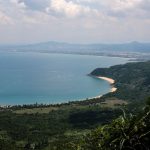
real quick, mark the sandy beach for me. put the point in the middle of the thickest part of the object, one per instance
(111, 81)
(113, 89)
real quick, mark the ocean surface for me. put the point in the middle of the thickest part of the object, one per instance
(27, 78)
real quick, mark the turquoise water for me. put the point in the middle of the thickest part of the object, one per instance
(27, 78)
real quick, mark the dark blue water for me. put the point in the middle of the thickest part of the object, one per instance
(27, 78)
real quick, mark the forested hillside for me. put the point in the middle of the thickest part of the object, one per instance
(132, 80)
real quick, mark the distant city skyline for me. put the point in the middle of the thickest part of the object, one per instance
(74, 21)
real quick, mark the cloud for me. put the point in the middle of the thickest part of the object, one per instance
(145, 5)
(36, 4)
(121, 5)
(4, 19)
(127, 8)
(69, 9)
(108, 8)
(18, 3)
(21, 12)
(87, 20)
(85, 8)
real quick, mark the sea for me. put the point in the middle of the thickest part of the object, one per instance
(45, 78)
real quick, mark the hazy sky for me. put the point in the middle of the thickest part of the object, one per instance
(76, 21)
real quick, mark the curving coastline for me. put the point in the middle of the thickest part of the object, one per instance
(110, 80)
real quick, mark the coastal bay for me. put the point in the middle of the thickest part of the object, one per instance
(27, 78)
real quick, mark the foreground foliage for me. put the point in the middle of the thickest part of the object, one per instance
(50, 130)
(128, 132)
(125, 133)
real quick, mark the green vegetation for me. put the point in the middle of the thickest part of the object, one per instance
(128, 132)
(132, 80)
(25, 130)
(89, 124)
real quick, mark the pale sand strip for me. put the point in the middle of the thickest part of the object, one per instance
(113, 89)
(111, 81)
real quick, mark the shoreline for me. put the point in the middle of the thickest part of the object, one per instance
(109, 80)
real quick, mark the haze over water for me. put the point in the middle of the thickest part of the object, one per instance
(27, 78)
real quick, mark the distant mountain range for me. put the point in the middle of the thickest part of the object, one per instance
(124, 50)
(129, 47)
